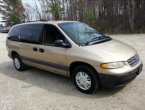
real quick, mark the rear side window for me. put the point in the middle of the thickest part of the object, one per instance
(31, 33)
(28, 33)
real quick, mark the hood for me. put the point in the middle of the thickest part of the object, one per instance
(112, 51)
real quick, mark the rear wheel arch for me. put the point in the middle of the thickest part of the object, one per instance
(13, 53)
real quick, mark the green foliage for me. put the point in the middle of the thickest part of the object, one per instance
(15, 18)
(89, 18)
(12, 11)
(109, 16)
(89, 15)
(55, 8)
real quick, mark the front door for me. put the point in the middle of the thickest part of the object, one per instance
(51, 57)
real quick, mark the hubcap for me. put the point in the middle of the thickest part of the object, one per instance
(17, 63)
(83, 80)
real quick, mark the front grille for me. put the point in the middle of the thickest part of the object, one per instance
(133, 61)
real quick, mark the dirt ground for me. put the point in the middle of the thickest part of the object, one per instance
(35, 89)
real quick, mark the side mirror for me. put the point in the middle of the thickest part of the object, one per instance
(60, 43)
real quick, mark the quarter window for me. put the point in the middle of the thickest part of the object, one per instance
(14, 34)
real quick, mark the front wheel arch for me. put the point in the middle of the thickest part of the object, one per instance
(81, 83)
(78, 63)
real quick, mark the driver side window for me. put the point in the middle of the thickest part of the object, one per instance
(51, 34)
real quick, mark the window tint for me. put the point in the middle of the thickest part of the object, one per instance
(14, 34)
(51, 34)
(31, 33)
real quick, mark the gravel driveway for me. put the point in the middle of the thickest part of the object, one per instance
(35, 89)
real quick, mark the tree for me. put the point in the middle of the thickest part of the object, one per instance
(12, 11)
(110, 16)
(131, 13)
(55, 8)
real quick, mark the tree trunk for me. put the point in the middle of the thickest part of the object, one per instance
(131, 13)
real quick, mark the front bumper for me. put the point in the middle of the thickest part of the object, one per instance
(108, 80)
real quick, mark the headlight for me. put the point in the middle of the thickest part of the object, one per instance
(113, 65)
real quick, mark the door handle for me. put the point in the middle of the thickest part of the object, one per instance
(35, 49)
(41, 50)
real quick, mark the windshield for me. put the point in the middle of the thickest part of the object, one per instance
(83, 34)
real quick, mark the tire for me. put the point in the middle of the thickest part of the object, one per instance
(18, 63)
(85, 79)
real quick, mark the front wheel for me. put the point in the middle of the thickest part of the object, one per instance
(85, 79)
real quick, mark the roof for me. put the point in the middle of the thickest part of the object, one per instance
(46, 22)
(57, 22)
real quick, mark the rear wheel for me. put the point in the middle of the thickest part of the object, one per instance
(18, 63)
(85, 79)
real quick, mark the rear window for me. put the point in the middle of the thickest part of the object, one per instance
(28, 33)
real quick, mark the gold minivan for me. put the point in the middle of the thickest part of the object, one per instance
(76, 50)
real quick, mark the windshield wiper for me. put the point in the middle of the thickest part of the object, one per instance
(98, 40)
